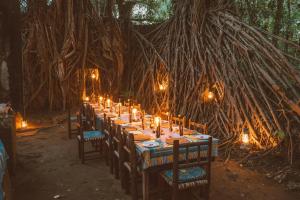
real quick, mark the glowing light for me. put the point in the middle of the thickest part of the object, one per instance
(86, 98)
(100, 100)
(108, 103)
(157, 121)
(24, 124)
(210, 95)
(245, 136)
(93, 76)
(134, 111)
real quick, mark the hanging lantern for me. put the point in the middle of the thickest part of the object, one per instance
(208, 95)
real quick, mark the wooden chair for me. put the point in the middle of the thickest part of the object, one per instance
(117, 151)
(179, 120)
(202, 128)
(89, 134)
(73, 121)
(108, 148)
(191, 171)
(130, 170)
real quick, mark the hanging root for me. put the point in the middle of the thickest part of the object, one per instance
(203, 49)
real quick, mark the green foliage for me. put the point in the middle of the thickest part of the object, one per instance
(151, 11)
(262, 14)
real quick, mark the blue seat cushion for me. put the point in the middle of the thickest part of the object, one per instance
(191, 175)
(92, 135)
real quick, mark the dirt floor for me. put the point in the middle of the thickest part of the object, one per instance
(49, 168)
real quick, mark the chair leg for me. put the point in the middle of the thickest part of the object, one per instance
(126, 182)
(175, 193)
(121, 171)
(116, 167)
(79, 149)
(82, 153)
(206, 192)
(111, 163)
(134, 192)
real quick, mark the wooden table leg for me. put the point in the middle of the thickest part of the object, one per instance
(145, 185)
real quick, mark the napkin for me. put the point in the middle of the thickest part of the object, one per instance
(119, 121)
(141, 137)
(188, 132)
(130, 128)
(181, 140)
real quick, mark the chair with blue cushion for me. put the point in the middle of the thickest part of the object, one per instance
(73, 124)
(191, 168)
(88, 134)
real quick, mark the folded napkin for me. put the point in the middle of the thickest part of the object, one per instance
(165, 125)
(181, 140)
(141, 137)
(188, 132)
(119, 121)
(130, 128)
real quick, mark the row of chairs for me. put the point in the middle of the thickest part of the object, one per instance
(119, 150)
(178, 120)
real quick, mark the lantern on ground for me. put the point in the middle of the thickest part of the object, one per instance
(24, 124)
(245, 136)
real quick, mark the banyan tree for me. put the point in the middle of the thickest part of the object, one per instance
(203, 62)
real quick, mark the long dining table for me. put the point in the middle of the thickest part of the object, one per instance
(152, 158)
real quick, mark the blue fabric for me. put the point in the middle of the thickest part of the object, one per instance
(186, 175)
(3, 159)
(92, 135)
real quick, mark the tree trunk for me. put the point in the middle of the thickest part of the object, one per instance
(15, 55)
(278, 20)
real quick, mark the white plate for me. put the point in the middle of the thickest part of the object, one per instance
(150, 144)
(202, 137)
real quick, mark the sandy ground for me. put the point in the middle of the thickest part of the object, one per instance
(48, 165)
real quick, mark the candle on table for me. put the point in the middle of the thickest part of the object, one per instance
(157, 121)
(134, 111)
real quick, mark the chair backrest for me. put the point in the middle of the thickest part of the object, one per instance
(117, 139)
(189, 155)
(129, 149)
(106, 128)
(198, 127)
(164, 116)
(179, 120)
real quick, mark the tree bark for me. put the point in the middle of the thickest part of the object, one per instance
(15, 54)
(278, 20)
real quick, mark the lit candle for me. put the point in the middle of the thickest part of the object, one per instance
(108, 103)
(157, 124)
(93, 76)
(134, 111)
(119, 109)
(157, 121)
(87, 99)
